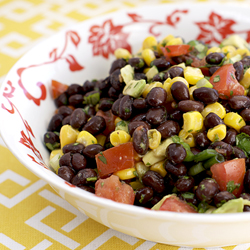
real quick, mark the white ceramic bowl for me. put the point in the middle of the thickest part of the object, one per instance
(85, 52)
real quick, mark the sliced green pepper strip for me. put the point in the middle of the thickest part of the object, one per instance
(215, 159)
(196, 169)
(205, 155)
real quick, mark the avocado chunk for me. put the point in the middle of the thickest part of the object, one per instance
(232, 206)
(151, 73)
(134, 88)
(236, 41)
(127, 73)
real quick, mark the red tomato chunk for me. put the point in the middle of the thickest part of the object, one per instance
(111, 188)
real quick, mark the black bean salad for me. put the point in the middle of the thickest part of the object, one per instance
(167, 129)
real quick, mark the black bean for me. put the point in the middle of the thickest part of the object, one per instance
(168, 129)
(140, 140)
(66, 173)
(189, 198)
(245, 196)
(140, 103)
(104, 84)
(106, 104)
(179, 91)
(239, 153)
(239, 70)
(246, 181)
(116, 80)
(73, 148)
(176, 115)
(117, 64)
(135, 124)
(222, 197)
(89, 110)
(65, 160)
(176, 170)
(61, 100)
(160, 77)
(156, 116)
(91, 150)
(230, 136)
(222, 148)
(160, 63)
(245, 114)
(212, 70)
(212, 120)
(206, 95)
(113, 93)
(215, 58)
(76, 100)
(176, 153)
(154, 180)
(239, 102)
(185, 183)
(115, 107)
(139, 117)
(87, 188)
(95, 125)
(245, 129)
(74, 88)
(126, 107)
(176, 71)
(195, 151)
(189, 105)
(207, 189)
(246, 62)
(139, 76)
(88, 86)
(66, 120)
(51, 140)
(136, 62)
(201, 140)
(156, 97)
(78, 161)
(55, 123)
(143, 195)
(64, 111)
(78, 118)
(84, 177)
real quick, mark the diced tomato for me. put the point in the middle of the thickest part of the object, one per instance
(109, 119)
(230, 173)
(175, 50)
(224, 81)
(111, 188)
(58, 88)
(197, 63)
(174, 204)
(114, 159)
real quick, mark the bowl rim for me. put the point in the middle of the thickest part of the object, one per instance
(131, 209)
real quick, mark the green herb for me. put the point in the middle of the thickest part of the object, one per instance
(102, 158)
(168, 50)
(189, 61)
(154, 47)
(232, 76)
(216, 137)
(243, 142)
(91, 178)
(102, 184)
(216, 78)
(231, 93)
(189, 131)
(148, 164)
(142, 198)
(231, 186)
(240, 120)
(135, 173)
(127, 110)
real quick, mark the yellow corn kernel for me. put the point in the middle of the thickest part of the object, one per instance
(122, 53)
(213, 50)
(216, 108)
(192, 121)
(68, 135)
(191, 90)
(243, 52)
(96, 107)
(163, 43)
(245, 82)
(159, 168)
(101, 139)
(167, 86)
(192, 75)
(55, 152)
(148, 56)
(146, 70)
(117, 119)
(187, 137)
(86, 138)
(150, 42)
(148, 87)
(154, 137)
(119, 137)
(125, 174)
(136, 184)
(217, 133)
(228, 49)
(234, 120)
(175, 41)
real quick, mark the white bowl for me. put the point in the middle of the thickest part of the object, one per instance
(84, 52)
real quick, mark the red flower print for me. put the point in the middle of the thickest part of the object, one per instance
(107, 38)
(215, 29)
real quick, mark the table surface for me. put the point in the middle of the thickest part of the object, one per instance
(32, 215)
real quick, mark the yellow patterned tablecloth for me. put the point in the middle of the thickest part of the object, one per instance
(32, 215)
